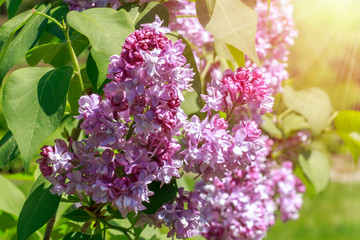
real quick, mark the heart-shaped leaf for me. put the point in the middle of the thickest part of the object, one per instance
(234, 23)
(313, 103)
(106, 30)
(34, 102)
(316, 167)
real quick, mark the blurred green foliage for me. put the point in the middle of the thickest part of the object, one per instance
(331, 215)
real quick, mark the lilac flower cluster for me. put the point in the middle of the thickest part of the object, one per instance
(235, 89)
(182, 216)
(211, 150)
(243, 205)
(287, 191)
(131, 131)
(81, 5)
(275, 34)
(189, 26)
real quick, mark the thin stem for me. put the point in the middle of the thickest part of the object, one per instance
(123, 230)
(76, 132)
(132, 225)
(50, 18)
(86, 226)
(130, 132)
(331, 118)
(283, 114)
(104, 231)
(65, 29)
(74, 60)
(183, 16)
(229, 114)
(98, 208)
(49, 228)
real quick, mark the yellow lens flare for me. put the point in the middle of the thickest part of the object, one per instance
(327, 53)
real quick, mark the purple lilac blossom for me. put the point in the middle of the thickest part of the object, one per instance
(242, 205)
(212, 151)
(131, 131)
(235, 89)
(81, 5)
(275, 34)
(182, 216)
(189, 26)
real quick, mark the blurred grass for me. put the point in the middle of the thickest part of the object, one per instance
(333, 214)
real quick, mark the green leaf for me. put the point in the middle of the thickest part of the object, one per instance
(39, 208)
(238, 55)
(11, 198)
(7, 221)
(162, 195)
(313, 103)
(1, 2)
(56, 54)
(71, 199)
(102, 62)
(114, 212)
(235, 58)
(9, 28)
(190, 59)
(8, 149)
(197, 237)
(347, 121)
(347, 125)
(63, 130)
(222, 50)
(78, 215)
(293, 123)
(146, 13)
(352, 142)
(316, 167)
(106, 30)
(92, 72)
(133, 219)
(81, 236)
(238, 26)
(40, 95)
(12, 7)
(46, 52)
(204, 10)
(190, 105)
(310, 189)
(270, 127)
(59, 13)
(23, 41)
(63, 228)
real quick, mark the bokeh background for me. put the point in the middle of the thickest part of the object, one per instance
(326, 54)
